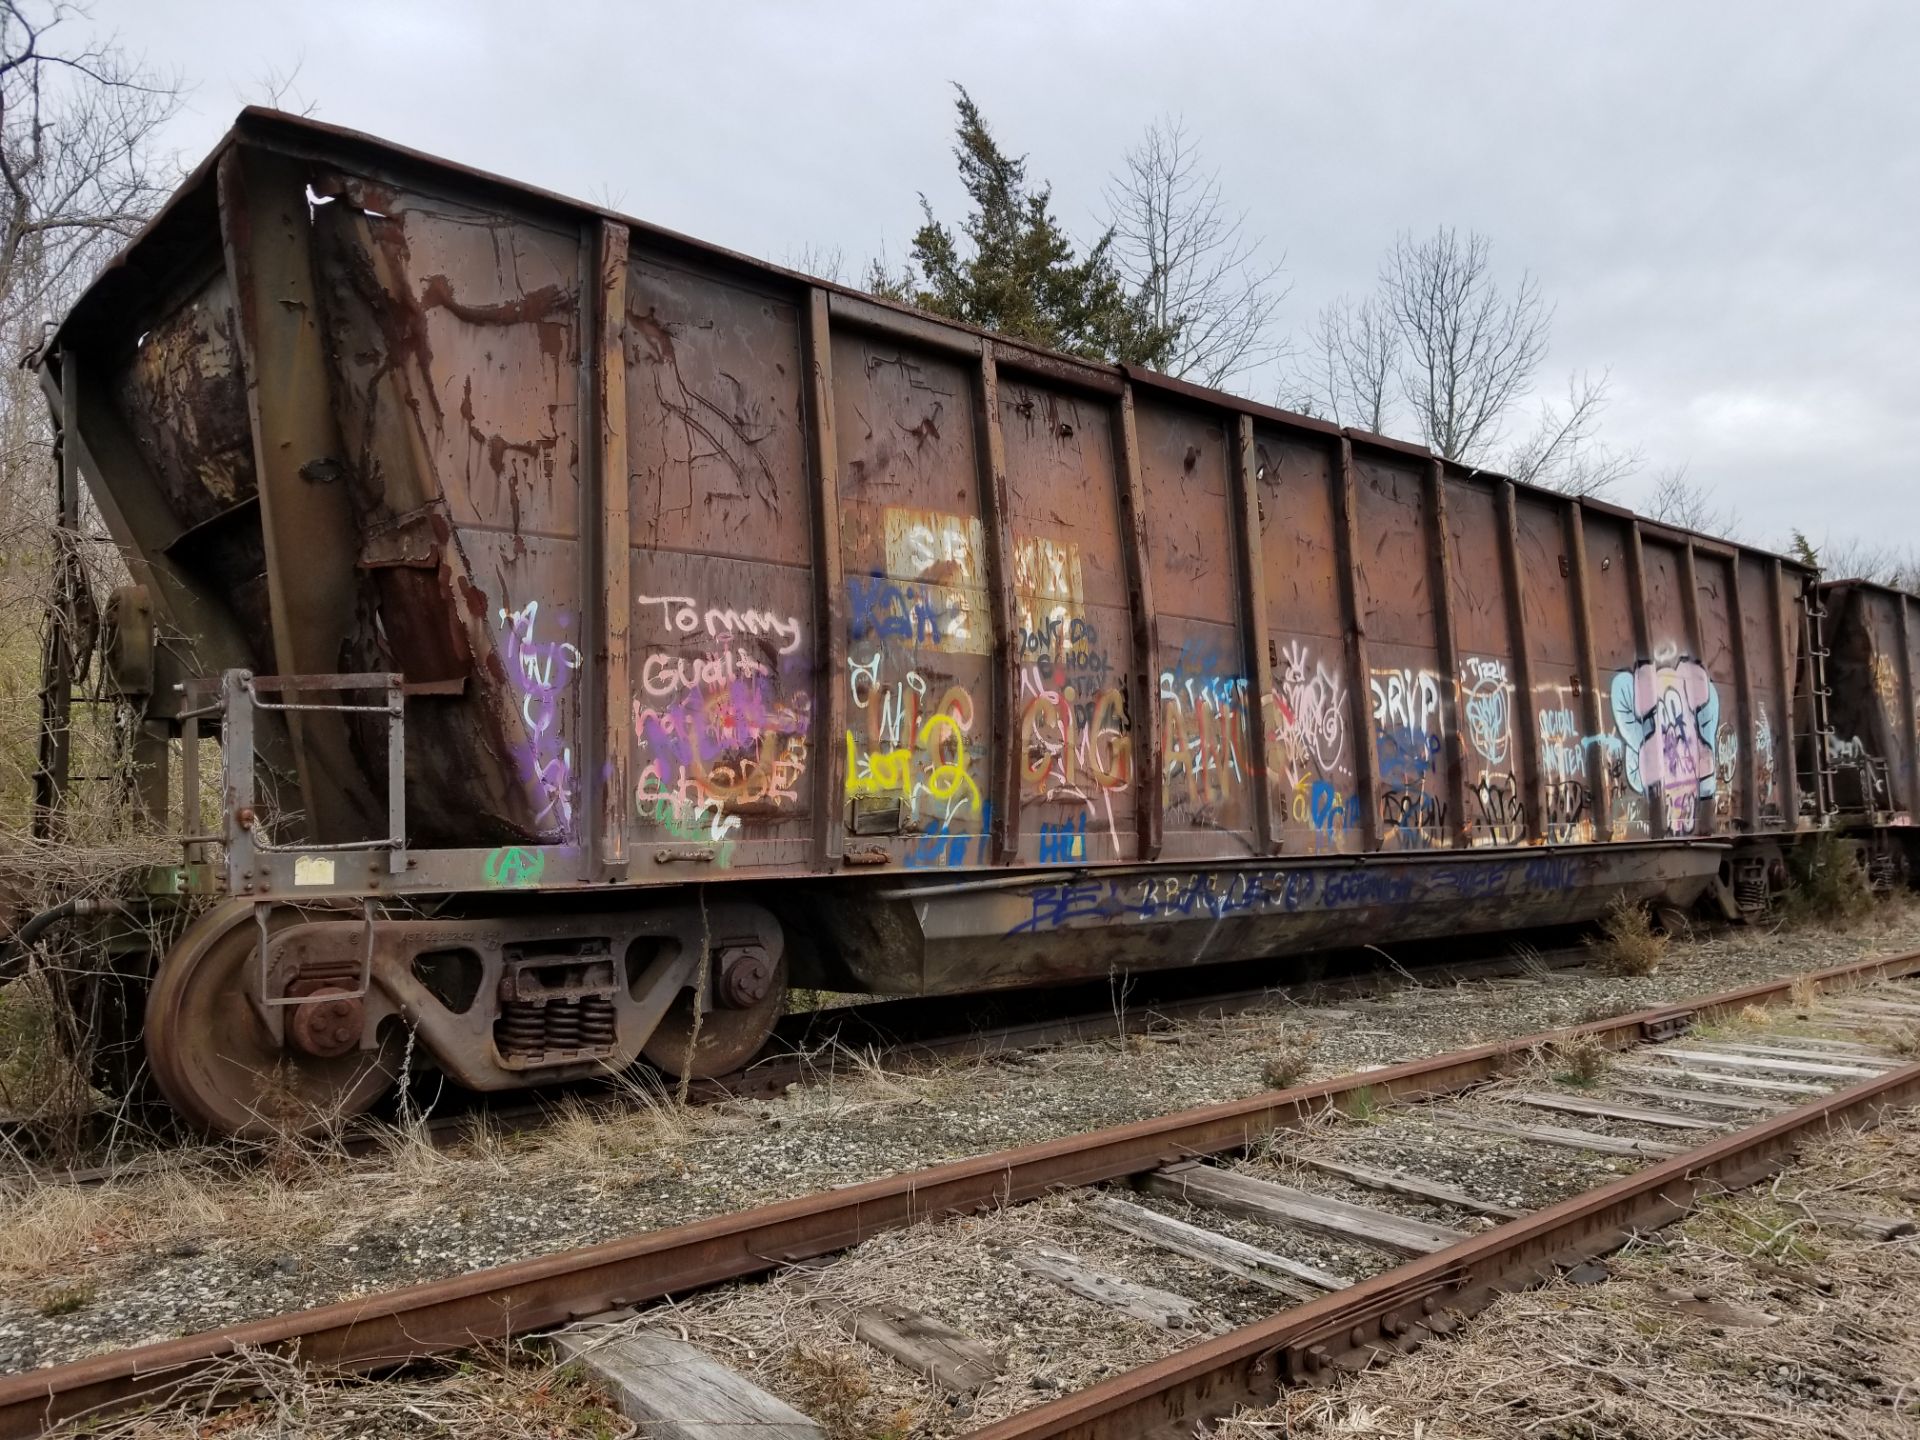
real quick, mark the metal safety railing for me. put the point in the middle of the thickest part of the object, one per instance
(237, 698)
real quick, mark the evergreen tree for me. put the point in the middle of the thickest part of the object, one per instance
(1012, 268)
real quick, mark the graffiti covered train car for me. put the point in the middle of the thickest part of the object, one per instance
(1872, 751)
(603, 631)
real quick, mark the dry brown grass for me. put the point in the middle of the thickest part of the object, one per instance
(1902, 1040)
(1803, 1330)
(832, 1384)
(307, 1186)
(1291, 1058)
(505, 1394)
(1628, 944)
(1582, 1061)
(48, 1229)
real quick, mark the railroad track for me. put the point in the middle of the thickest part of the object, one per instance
(917, 1030)
(1683, 1114)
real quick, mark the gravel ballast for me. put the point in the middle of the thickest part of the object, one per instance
(207, 1244)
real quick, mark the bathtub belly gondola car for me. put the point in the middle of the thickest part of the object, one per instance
(602, 632)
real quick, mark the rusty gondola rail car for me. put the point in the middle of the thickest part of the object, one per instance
(604, 630)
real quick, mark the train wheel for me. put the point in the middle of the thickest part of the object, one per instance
(213, 1057)
(749, 994)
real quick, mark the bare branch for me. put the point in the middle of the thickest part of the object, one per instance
(1178, 245)
(1348, 370)
(280, 89)
(1561, 452)
(827, 262)
(1679, 501)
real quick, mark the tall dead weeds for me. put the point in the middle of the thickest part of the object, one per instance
(1627, 943)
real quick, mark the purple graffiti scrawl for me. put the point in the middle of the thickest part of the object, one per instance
(542, 670)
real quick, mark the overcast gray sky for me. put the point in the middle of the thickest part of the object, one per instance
(1720, 200)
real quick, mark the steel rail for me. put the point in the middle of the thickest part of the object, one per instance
(377, 1331)
(1395, 1311)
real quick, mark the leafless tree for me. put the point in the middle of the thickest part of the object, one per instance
(279, 89)
(1176, 242)
(1689, 504)
(823, 262)
(79, 174)
(1347, 370)
(1469, 350)
(1563, 452)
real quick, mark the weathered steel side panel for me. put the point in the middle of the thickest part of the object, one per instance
(1078, 758)
(1886, 693)
(1552, 776)
(1206, 728)
(1872, 711)
(1308, 716)
(1482, 623)
(1667, 707)
(1909, 630)
(184, 395)
(1762, 739)
(1621, 813)
(919, 619)
(1714, 612)
(892, 594)
(1551, 717)
(1807, 790)
(1410, 697)
(724, 646)
(454, 341)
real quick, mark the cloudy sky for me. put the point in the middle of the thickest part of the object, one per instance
(1719, 200)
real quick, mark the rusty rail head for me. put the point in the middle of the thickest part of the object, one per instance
(372, 1331)
(1175, 1396)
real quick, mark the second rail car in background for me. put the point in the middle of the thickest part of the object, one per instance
(604, 629)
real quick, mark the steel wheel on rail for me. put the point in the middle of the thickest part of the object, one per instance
(747, 995)
(214, 1059)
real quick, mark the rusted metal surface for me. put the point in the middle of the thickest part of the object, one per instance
(1874, 709)
(1003, 579)
(1358, 669)
(1785, 622)
(841, 597)
(1447, 646)
(184, 393)
(1250, 532)
(371, 1331)
(606, 514)
(1145, 669)
(1498, 796)
(1746, 691)
(697, 572)
(1908, 632)
(306, 521)
(1401, 1308)
(1079, 683)
(829, 597)
(1575, 776)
